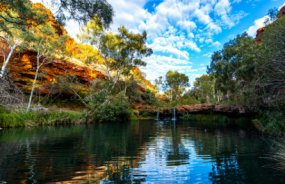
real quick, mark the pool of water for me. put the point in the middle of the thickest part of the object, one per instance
(136, 152)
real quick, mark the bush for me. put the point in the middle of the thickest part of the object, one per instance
(149, 97)
(187, 116)
(133, 92)
(117, 108)
(273, 122)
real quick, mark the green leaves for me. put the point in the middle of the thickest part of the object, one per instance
(228, 65)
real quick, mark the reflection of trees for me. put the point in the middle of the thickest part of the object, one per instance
(110, 152)
(237, 155)
(177, 155)
(67, 153)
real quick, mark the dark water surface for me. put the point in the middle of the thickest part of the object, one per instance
(135, 152)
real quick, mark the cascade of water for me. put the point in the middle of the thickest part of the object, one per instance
(157, 116)
(174, 114)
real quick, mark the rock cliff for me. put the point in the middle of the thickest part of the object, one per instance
(200, 108)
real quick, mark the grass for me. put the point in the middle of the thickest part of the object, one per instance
(278, 154)
(9, 120)
(12, 120)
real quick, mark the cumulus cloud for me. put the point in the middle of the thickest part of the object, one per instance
(176, 29)
(162, 64)
(209, 54)
(258, 23)
(215, 44)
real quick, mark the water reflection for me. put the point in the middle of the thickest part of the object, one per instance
(135, 152)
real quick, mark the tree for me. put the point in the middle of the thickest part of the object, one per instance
(233, 66)
(79, 10)
(48, 46)
(176, 83)
(119, 53)
(270, 65)
(11, 42)
(20, 14)
(204, 87)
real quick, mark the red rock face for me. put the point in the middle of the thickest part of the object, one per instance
(209, 107)
(260, 31)
(282, 12)
(22, 68)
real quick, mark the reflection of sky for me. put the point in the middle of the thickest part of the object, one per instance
(157, 165)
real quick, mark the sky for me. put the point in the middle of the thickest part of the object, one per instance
(184, 33)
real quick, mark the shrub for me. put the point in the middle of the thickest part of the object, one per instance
(149, 97)
(116, 108)
(187, 116)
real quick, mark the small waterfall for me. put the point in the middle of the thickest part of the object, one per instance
(174, 114)
(157, 116)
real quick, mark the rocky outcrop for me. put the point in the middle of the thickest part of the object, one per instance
(281, 12)
(200, 108)
(260, 31)
(22, 67)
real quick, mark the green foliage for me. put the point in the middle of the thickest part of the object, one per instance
(133, 93)
(187, 116)
(222, 119)
(80, 11)
(41, 118)
(232, 64)
(11, 120)
(176, 83)
(113, 109)
(272, 122)
(149, 96)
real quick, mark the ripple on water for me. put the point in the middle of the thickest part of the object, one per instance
(135, 152)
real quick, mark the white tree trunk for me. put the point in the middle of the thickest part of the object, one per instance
(32, 92)
(7, 60)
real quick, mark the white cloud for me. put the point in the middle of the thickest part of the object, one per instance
(216, 43)
(281, 6)
(162, 64)
(209, 54)
(192, 45)
(177, 29)
(258, 23)
(208, 41)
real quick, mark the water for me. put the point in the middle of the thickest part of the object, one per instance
(135, 152)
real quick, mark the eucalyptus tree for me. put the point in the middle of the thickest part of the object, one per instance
(79, 10)
(20, 14)
(119, 53)
(270, 64)
(48, 46)
(176, 83)
(233, 66)
(204, 87)
(15, 40)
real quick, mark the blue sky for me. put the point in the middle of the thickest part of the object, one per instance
(184, 33)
